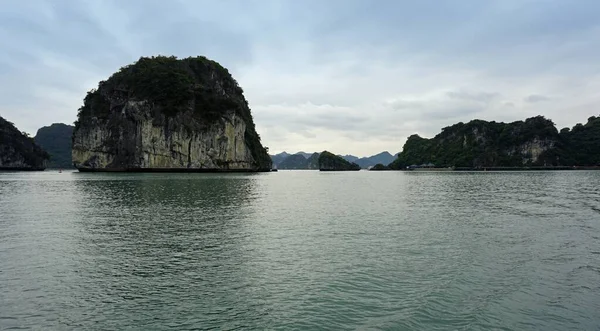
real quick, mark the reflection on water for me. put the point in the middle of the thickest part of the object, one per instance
(303, 250)
(181, 235)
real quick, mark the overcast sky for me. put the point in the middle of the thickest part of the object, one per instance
(352, 77)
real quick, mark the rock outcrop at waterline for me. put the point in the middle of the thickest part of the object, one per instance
(167, 114)
(18, 151)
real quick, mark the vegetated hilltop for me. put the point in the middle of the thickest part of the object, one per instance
(18, 151)
(383, 158)
(278, 158)
(299, 161)
(56, 140)
(294, 161)
(331, 162)
(164, 113)
(281, 160)
(478, 144)
(581, 144)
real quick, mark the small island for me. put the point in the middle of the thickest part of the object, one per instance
(380, 167)
(18, 151)
(331, 162)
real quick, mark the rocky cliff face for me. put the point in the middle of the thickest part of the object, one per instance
(532, 151)
(168, 114)
(17, 151)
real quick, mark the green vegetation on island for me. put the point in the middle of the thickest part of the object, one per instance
(295, 161)
(279, 160)
(479, 144)
(56, 139)
(18, 151)
(298, 161)
(312, 163)
(581, 144)
(331, 162)
(380, 167)
(382, 158)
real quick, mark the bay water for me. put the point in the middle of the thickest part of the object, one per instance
(301, 250)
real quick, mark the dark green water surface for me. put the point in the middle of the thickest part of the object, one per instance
(300, 250)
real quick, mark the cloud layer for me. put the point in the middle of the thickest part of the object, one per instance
(348, 76)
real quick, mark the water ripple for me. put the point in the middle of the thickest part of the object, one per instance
(300, 250)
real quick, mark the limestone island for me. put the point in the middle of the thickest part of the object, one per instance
(331, 162)
(533, 144)
(18, 151)
(167, 114)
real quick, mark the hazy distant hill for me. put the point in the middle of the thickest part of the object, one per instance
(349, 158)
(278, 158)
(382, 158)
(295, 161)
(306, 155)
(312, 160)
(56, 140)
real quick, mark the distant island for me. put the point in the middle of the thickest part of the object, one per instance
(19, 151)
(300, 162)
(535, 143)
(331, 162)
(479, 144)
(308, 161)
(56, 140)
(167, 114)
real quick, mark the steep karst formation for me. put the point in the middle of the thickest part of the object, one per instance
(168, 114)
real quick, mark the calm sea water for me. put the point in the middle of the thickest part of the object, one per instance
(300, 250)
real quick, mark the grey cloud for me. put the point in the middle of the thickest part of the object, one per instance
(536, 98)
(450, 105)
(484, 97)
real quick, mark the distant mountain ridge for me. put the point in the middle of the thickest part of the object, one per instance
(294, 161)
(285, 160)
(349, 158)
(278, 158)
(381, 158)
